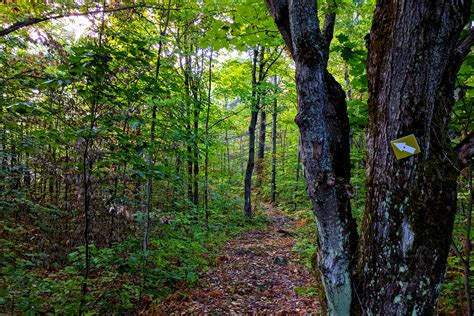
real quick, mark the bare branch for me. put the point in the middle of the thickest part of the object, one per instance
(278, 53)
(32, 21)
(458, 253)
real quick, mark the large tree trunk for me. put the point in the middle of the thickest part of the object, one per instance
(325, 156)
(324, 129)
(413, 60)
(411, 202)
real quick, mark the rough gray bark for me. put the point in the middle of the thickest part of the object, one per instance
(412, 64)
(413, 59)
(324, 129)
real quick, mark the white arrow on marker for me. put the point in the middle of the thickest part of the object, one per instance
(405, 147)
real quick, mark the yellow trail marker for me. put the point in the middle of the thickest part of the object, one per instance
(405, 147)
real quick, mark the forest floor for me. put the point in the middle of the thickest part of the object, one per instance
(256, 273)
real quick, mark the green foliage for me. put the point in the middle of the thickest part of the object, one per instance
(179, 252)
(310, 291)
(60, 91)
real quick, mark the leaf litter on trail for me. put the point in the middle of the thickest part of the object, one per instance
(256, 274)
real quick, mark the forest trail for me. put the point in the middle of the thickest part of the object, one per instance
(257, 273)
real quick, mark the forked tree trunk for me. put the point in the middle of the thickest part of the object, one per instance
(413, 60)
(411, 202)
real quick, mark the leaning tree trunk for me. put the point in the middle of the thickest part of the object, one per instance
(411, 202)
(324, 130)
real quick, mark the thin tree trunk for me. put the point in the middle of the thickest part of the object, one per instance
(87, 167)
(298, 166)
(283, 150)
(241, 144)
(189, 154)
(468, 247)
(51, 178)
(150, 162)
(88, 164)
(347, 82)
(227, 149)
(66, 181)
(252, 126)
(4, 147)
(196, 164)
(274, 150)
(206, 159)
(261, 147)
(113, 209)
(189, 148)
(250, 164)
(197, 109)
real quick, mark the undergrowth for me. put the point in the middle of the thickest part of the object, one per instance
(119, 281)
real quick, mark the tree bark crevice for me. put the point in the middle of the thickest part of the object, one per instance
(414, 55)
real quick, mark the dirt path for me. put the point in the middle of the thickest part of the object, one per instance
(257, 274)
